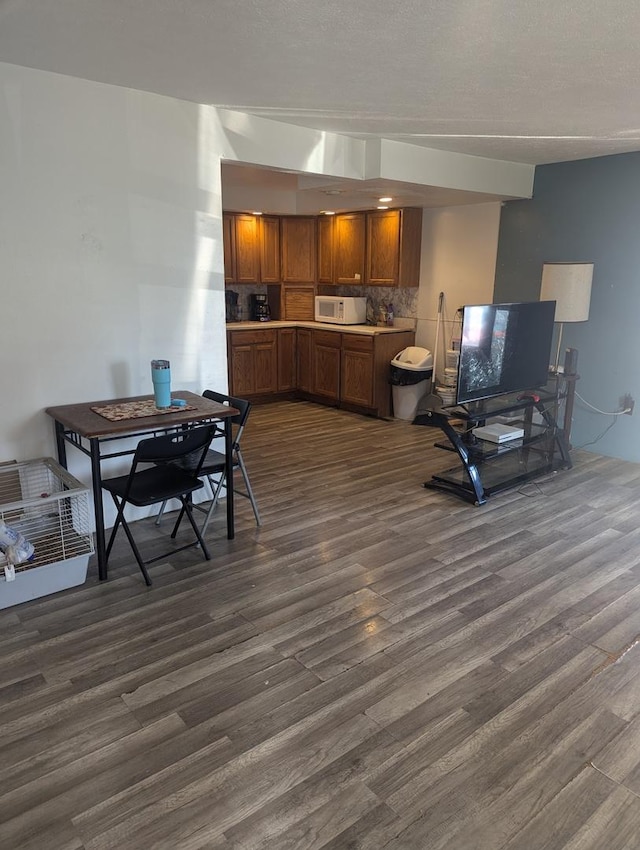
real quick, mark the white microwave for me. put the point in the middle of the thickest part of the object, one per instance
(341, 310)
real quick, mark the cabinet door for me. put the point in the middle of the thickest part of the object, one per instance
(326, 364)
(269, 249)
(298, 235)
(247, 253)
(383, 247)
(349, 245)
(242, 373)
(357, 372)
(228, 245)
(394, 246)
(265, 356)
(305, 375)
(325, 249)
(287, 359)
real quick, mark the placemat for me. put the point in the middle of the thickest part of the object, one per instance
(136, 410)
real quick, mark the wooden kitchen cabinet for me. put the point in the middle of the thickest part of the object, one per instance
(349, 239)
(325, 248)
(326, 365)
(251, 246)
(330, 366)
(253, 362)
(350, 369)
(298, 249)
(357, 370)
(269, 248)
(287, 360)
(394, 239)
(247, 248)
(304, 352)
(229, 247)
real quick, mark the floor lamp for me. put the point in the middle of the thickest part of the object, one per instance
(569, 285)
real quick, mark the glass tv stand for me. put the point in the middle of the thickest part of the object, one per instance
(486, 467)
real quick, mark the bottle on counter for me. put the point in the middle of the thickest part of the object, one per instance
(390, 316)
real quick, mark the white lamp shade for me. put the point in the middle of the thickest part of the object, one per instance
(569, 285)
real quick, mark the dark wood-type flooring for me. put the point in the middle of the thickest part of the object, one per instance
(378, 666)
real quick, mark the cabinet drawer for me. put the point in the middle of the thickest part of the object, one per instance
(252, 337)
(330, 339)
(356, 342)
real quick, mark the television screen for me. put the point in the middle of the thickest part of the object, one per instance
(504, 348)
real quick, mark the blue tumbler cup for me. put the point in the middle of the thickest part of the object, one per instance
(161, 377)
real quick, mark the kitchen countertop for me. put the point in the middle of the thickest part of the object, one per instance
(370, 330)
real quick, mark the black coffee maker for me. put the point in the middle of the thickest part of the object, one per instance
(259, 310)
(231, 305)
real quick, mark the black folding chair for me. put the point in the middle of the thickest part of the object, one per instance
(213, 467)
(165, 479)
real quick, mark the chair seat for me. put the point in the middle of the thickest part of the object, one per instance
(213, 462)
(154, 485)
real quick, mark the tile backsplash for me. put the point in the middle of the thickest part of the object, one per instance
(404, 300)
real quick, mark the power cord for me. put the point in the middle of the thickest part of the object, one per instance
(602, 433)
(614, 413)
(603, 412)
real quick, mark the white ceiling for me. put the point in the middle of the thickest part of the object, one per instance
(532, 81)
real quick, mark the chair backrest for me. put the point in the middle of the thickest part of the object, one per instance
(240, 404)
(172, 447)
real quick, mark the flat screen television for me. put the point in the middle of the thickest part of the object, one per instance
(504, 348)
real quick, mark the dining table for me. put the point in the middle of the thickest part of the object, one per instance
(94, 428)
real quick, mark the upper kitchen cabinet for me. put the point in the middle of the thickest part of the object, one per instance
(325, 249)
(251, 248)
(393, 247)
(349, 236)
(269, 248)
(247, 248)
(229, 247)
(298, 249)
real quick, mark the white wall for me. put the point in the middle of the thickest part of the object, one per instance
(110, 250)
(459, 247)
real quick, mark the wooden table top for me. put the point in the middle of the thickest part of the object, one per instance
(86, 422)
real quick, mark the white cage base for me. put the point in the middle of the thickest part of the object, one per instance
(43, 502)
(41, 581)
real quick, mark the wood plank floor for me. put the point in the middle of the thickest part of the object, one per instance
(378, 666)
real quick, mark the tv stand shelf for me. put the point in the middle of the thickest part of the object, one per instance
(486, 467)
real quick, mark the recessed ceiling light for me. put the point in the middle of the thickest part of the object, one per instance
(327, 212)
(257, 212)
(385, 200)
(383, 208)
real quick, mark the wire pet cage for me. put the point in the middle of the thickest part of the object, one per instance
(50, 509)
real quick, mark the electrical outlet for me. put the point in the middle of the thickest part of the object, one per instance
(627, 403)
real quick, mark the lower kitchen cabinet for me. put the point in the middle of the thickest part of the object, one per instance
(327, 366)
(352, 370)
(287, 360)
(356, 372)
(253, 362)
(305, 372)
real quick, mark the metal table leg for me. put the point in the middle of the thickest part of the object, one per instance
(96, 483)
(228, 452)
(60, 444)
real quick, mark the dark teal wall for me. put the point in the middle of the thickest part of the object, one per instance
(586, 211)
